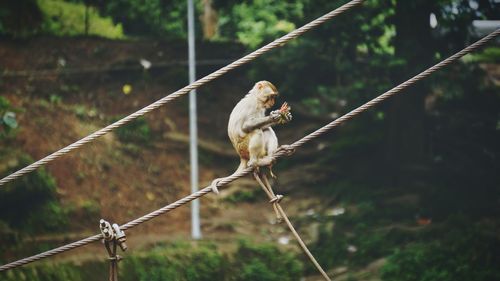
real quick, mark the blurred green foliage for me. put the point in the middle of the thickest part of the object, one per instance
(8, 122)
(488, 55)
(354, 240)
(54, 17)
(264, 262)
(450, 247)
(137, 131)
(37, 193)
(44, 273)
(255, 22)
(148, 17)
(463, 251)
(180, 261)
(184, 262)
(63, 18)
(248, 196)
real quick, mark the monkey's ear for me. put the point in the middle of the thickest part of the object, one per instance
(259, 85)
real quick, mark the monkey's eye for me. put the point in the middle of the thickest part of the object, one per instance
(272, 96)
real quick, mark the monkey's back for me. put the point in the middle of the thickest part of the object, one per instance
(245, 109)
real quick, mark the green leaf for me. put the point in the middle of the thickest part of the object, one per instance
(9, 118)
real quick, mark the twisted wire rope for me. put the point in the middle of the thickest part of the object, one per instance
(246, 171)
(275, 44)
(397, 89)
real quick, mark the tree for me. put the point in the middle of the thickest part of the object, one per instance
(149, 17)
(19, 18)
(414, 44)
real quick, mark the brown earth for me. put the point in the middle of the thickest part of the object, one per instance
(69, 88)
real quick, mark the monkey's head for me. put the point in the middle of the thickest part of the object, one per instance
(265, 92)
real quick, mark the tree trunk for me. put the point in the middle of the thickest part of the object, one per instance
(209, 20)
(406, 112)
(86, 19)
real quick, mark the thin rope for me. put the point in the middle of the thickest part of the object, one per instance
(301, 243)
(275, 44)
(246, 171)
(280, 214)
(52, 252)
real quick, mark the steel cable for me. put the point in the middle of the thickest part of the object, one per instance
(275, 44)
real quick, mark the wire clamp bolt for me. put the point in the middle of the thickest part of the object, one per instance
(275, 201)
(113, 236)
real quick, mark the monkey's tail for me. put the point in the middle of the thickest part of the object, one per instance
(242, 166)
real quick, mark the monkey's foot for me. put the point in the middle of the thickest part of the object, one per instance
(214, 184)
(286, 149)
(253, 163)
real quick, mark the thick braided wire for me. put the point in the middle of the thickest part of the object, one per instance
(396, 89)
(126, 226)
(238, 175)
(52, 252)
(275, 44)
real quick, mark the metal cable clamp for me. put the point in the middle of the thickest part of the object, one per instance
(113, 236)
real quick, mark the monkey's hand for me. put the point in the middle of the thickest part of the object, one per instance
(282, 115)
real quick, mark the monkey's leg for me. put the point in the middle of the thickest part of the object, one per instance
(257, 149)
(286, 149)
(271, 146)
(260, 162)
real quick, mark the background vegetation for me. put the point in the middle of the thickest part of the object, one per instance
(418, 175)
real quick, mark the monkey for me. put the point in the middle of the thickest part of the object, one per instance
(251, 133)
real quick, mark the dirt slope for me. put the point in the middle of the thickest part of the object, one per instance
(69, 88)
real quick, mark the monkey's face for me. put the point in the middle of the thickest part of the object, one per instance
(270, 99)
(267, 93)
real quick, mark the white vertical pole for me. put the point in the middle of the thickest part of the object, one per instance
(193, 135)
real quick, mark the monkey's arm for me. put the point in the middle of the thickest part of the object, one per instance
(279, 116)
(260, 122)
